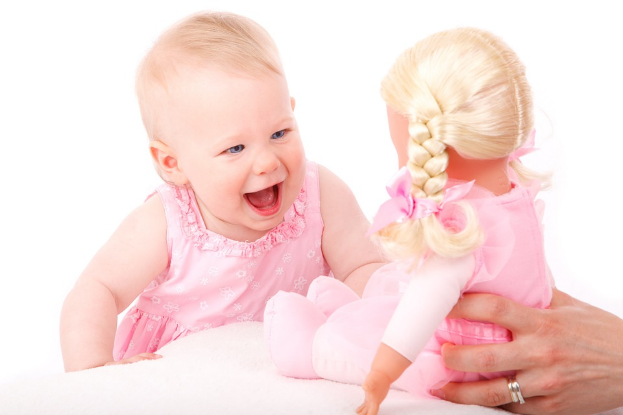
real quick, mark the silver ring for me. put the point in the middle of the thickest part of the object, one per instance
(513, 388)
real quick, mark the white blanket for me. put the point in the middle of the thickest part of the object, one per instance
(220, 371)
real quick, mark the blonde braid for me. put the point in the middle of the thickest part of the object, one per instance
(427, 164)
(428, 161)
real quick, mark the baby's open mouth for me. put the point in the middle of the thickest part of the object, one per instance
(265, 198)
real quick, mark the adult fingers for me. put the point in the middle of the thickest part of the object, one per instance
(490, 393)
(499, 310)
(534, 405)
(487, 357)
(485, 393)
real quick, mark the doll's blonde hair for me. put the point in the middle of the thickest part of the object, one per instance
(463, 88)
(215, 40)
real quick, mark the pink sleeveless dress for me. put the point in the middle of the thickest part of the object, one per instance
(510, 263)
(212, 281)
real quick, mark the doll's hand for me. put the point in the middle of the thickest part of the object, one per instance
(376, 387)
(568, 358)
(135, 358)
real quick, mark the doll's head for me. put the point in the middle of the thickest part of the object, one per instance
(464, 89)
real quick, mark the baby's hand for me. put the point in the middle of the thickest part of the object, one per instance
(135, 358)
(376, 387)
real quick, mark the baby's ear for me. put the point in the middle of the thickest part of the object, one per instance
(292, 102)
(166, 161)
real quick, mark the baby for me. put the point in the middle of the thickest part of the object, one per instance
(242, 214)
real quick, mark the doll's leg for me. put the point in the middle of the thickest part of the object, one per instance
(336, 361)
(346, 344)
(290, 324)
(330, 294)
(332, 362)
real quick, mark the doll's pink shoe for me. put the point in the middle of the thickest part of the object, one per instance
(329, 294)
(290, 324)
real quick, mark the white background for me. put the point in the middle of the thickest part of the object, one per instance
(74, 160)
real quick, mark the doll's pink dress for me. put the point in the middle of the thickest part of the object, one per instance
(510, 263)
(212, 281)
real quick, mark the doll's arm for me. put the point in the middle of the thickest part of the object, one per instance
(432, 292)
(350, 254)
(134, 255)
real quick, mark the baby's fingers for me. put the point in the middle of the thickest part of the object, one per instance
(135, 358)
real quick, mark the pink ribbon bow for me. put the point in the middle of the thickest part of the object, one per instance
(403, 205)
(526, 148)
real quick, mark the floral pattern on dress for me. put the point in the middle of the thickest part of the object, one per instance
(211, 281)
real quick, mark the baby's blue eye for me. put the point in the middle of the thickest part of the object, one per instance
(235, 149)
(278, 134)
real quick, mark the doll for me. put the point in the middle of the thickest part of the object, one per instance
(462, 217)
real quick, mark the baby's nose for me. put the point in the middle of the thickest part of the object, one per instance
(266, 162)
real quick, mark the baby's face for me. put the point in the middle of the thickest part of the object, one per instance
(238, 145)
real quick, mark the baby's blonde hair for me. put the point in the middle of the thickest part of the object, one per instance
(463, 88)
(218, 40)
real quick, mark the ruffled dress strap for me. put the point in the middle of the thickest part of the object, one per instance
(212, 280)
(194, 228)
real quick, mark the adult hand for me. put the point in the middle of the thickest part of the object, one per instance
(568, 358)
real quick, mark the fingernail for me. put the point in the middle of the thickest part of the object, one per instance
(438, 393)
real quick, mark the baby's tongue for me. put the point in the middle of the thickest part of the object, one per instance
(262, 199)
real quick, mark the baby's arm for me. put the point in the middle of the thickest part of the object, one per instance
(134, 255)
(350, 254)
(432, 292)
